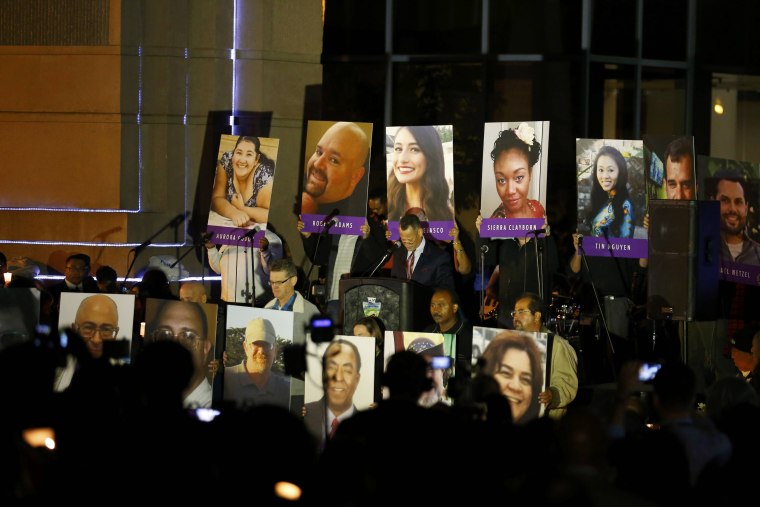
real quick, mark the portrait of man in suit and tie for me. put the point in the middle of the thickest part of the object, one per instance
(342, 372)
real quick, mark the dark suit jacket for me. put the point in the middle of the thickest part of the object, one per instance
(433, 268)
(315, 418)
(88, 285)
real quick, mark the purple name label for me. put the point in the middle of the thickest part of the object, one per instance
(615, 247)
(343, 224)
(745, 274)
(437, 229)
(510, 227)
(236, 236)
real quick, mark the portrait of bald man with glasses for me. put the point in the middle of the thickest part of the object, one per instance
(188, 324)
(98, 318)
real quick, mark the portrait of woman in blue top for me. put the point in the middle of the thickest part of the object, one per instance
(611, 212)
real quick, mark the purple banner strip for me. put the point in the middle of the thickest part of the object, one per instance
(343, 224)
(509, 227)
(436, 229)
(616, 247)
(235, 236)
(746, 274)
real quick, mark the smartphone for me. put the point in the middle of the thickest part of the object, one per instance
(440, 362)
(648, 371)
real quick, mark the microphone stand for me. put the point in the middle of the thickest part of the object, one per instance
(328, 225)
(250, 296)
(174, 222)
(253, 273)
(598, 303)
(483, 250)
(386, 255)
(539, 265)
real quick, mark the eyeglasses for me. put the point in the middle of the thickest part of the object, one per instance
(166, 334)
(518, 312)
(88, 330)
(278, 283)
(262, 344)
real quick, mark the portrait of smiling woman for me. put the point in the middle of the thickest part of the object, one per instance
(515, 361)
(417, 174)
(243, 183)
(611, 210)
(515, 152)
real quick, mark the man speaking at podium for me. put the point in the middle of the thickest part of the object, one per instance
(421, 260)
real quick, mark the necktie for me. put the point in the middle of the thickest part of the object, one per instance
(410, 266)
(333, 427)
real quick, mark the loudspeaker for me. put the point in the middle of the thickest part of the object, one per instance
(684, 260)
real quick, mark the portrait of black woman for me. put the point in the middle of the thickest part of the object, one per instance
(525, 264)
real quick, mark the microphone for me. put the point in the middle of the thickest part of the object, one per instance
(250, 233)
(179, 218)
(207, 236)
(333, 214)
(330, 220)
(539, 231)
(139, 248)
(394, 245)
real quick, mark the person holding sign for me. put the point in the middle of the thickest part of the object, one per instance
(243, 183)
(514, 154)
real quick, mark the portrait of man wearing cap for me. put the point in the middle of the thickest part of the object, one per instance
(252, 382)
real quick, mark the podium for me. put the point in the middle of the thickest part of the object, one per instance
(404, 305)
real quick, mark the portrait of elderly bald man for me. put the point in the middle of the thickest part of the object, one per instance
(97, 319)
(338, 163)
(187, 323)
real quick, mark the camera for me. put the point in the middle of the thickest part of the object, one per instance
(321, 329)
(648, 371)
(440, 362)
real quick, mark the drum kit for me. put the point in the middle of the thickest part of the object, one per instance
(564, 317)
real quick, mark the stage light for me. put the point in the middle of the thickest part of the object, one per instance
(287, 491)
(718, 106)
(7, 277)
(39, 437)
